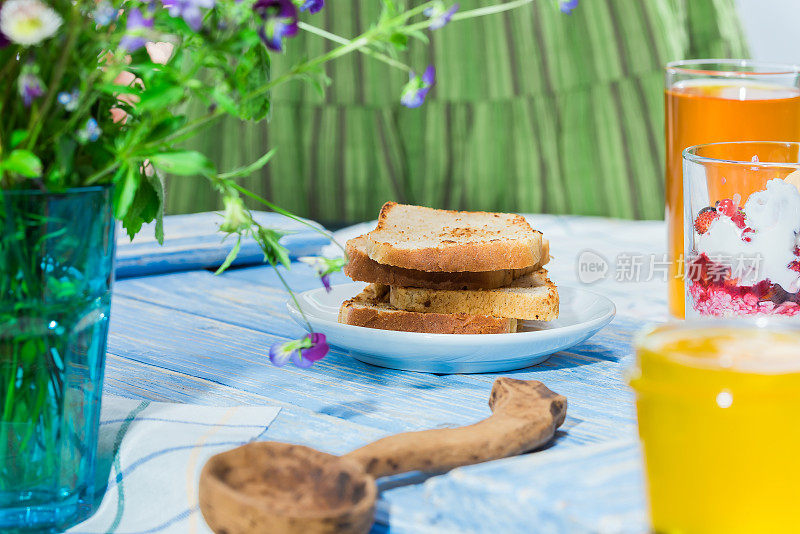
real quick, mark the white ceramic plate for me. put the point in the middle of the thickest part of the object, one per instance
(582, 314)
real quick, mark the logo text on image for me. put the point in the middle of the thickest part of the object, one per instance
(592, 267)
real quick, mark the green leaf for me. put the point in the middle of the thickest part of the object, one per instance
(32, 351)
(274, 252)
(166, 127)
(399, 40)
(23, 162)
(17, 136)
(160, 96)
(390, 10)
(65, 154)
(158, 186)
(247, 170)
(230, 257)
(114, 89)
(147, 205)
(249, 77)
(126, 183)
(333, 265)
(184, 163)
(419, 35)
(224, 101)
(318, 79)
(146, 69)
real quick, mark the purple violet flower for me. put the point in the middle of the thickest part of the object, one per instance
(415, 91)
(135, 27)
(313, 6)
(302, 352)
(280, 20)
(188, 10)
(439, 15)
(324, 267)
(30, 88)
(326, 282)
(566, 6)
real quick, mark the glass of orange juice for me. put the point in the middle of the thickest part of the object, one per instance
(742, 229)
(720, 100)
(716, 404)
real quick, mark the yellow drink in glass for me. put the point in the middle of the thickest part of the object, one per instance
(717, 405)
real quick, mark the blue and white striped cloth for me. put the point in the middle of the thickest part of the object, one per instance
(153, 454)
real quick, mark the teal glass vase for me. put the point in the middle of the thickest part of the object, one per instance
(56, 273)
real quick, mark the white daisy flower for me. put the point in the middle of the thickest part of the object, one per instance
(28, 22)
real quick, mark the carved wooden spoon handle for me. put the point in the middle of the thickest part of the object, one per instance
(525, 416)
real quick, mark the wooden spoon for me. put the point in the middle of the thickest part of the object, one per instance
(281, 488)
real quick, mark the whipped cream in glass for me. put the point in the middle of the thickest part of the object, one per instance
(773, 214)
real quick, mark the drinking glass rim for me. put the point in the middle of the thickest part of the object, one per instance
(72, 191)
(646, 339)
(689, 153)
(775, 69)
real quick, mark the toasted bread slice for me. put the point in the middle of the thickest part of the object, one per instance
(371, 309)
(363, 269)
(426, 239)
(532, 297)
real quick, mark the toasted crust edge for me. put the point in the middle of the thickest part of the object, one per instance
(501, 304)
(358, 312)
(362, 268)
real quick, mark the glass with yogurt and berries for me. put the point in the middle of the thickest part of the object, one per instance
(742, 229)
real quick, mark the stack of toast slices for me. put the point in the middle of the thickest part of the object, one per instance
(449, 272)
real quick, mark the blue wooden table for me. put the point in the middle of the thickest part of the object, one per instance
(179, 333)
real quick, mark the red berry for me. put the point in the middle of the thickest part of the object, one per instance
(704, 219)
(745, 237)
(727, 207)
(795, 266)
(797, 251)
(738, 218)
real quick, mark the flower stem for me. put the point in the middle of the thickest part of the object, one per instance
(94, 178)
(291, 293)
(472, 13)
(75, 27)
(278, 209)
(489, 10)
(342, 40)
(5, 71)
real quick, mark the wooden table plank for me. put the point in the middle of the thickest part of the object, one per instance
(596, 488)
(224, 335)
